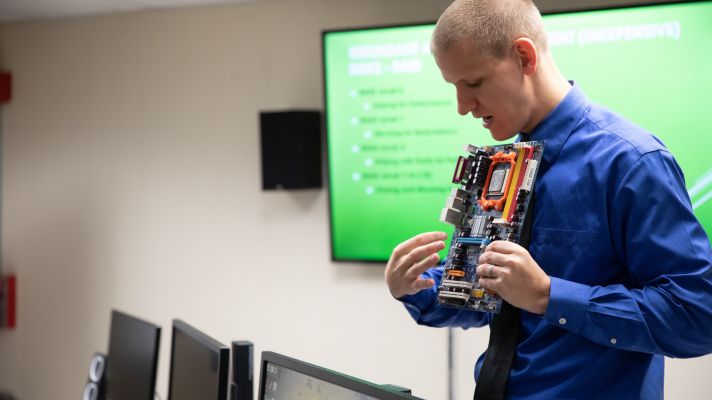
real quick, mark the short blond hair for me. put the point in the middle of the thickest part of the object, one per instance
(491, 25)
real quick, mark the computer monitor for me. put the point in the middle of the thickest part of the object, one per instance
(199, 365)
(133, 358)
(282, 377)
(393, 133)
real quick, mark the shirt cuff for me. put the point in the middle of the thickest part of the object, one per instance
(419, 303)
(568, 304)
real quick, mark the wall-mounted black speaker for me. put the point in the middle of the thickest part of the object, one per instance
(95, 388)
(291, 149)
(6, 396)
(241, 386)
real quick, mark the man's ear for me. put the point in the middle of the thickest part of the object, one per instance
(527, 55)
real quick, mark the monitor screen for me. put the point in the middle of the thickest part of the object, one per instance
(199, 365)
(133, 358)
(283, 378)
(394, 134)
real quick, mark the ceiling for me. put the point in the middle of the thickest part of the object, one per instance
(21, 10)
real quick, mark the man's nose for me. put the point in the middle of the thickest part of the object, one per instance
(465, 102)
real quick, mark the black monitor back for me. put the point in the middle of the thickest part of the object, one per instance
(199, 365)
(133, 358)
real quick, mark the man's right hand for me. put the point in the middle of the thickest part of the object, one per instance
(410, 259)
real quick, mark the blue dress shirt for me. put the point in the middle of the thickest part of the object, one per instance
(630, 265)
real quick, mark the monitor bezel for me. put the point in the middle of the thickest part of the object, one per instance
(336, 378)
(156, 348)
(221, 350)
(562, 10)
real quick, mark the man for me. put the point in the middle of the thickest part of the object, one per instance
(618, 273)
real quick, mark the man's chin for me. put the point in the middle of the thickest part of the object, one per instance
(501, 136)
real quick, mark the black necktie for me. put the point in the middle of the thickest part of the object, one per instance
(504, 334)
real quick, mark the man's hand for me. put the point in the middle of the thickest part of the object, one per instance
(410, 259)
(508, 269)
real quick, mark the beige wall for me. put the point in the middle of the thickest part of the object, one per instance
(130, 173)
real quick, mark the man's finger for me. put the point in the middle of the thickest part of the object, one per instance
(421, 284)
(422, 266)
(417, 241)
(505, 247)
(491, 257)
(422, 253)
(483, 270)
(489, 283)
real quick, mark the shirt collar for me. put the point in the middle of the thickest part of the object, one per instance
(556, 127)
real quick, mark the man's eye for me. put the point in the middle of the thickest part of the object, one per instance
(475, 84)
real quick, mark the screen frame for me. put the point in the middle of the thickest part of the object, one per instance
(221, 350)
(327, 165)
(117, 316)
(325, 32)
(336, 378)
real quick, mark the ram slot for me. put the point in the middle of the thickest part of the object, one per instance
(528, 159)
(515, 180)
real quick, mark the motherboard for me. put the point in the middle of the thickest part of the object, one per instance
(490, 203)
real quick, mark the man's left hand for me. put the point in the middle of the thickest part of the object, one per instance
(508, 269)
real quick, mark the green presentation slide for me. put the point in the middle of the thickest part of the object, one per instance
(394, 133)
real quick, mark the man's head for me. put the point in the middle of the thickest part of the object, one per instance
(491, 25)
(491, 50)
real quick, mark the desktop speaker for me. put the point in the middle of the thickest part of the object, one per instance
(95, 388)
(241, 387)
(291, 149)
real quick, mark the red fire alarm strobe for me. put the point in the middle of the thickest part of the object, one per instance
(5, 87)
(8, 301)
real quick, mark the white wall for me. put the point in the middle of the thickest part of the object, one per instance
(132, 181)
(130, 173)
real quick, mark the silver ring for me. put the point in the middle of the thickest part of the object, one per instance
(491, 267)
